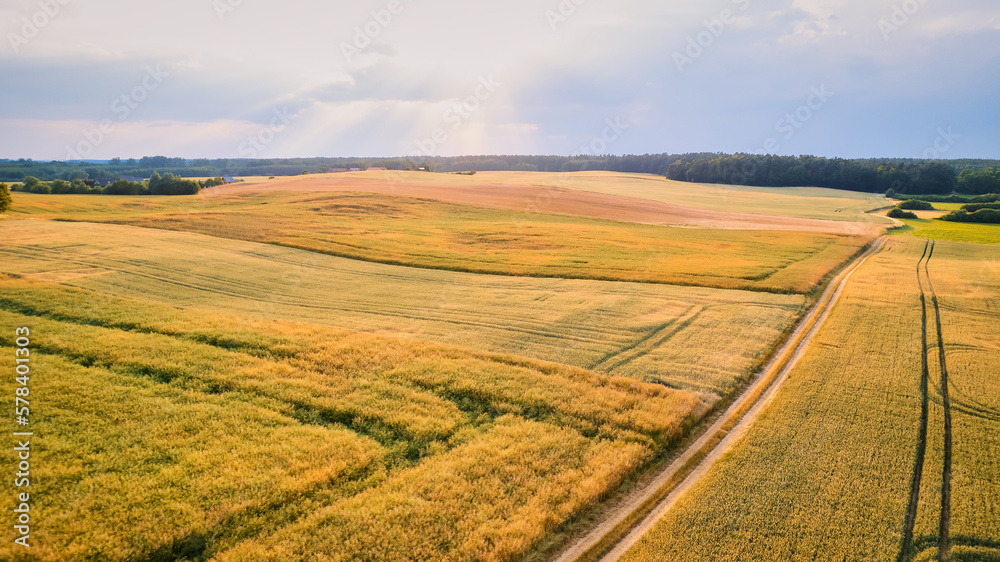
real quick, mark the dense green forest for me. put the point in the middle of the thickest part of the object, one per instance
(872, 175)
(902, 176)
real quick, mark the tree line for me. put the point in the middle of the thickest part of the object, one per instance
(893, 176)
(988, 213)
(901, 175)
(167, 184)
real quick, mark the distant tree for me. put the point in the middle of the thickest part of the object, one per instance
(61, 186)
(890, 193)
(936, 178)
(212, 182)
(42, 188)
(305, 172)
(898, 213)
(79, 188)
(5, 199)
(916, 205)
(30, 183)
(124, 187)
(988, 216)
(154, 182)
(979, 182)
(170, 184)
(796, 175)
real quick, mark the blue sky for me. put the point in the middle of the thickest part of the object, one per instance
(231, 78)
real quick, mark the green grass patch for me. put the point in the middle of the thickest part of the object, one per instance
(951, 231)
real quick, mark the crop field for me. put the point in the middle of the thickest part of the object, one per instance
(681, 336)
(951, 231)
(799, 202)
(185, 434)
(265, 402)
(377, 376)
(965, 280)
(433, 234)
(835, 463)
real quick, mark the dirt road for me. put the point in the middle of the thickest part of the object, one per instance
(698, 458)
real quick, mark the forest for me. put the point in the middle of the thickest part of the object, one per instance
(902, 176)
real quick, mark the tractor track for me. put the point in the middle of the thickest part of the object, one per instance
(638, 513)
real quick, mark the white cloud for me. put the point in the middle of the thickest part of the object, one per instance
(605, 60)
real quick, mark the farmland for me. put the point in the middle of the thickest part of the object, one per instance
(926, 227)
(374, 375)
(604, 321)
(433, 234)
(179, 433)
(802, 202)
(826, 471)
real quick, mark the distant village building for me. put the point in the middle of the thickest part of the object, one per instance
(132, 179)
(228, 179)
(338, 170)
(377, 169)
(355, 169)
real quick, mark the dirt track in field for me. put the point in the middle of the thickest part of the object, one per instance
(548, 199)
(730, 427)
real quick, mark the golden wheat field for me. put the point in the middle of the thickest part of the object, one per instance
(466, 383)
(653, 332)
(826, 472)
(184, 434)
(798, 202)
(232, 400)
(424, 233)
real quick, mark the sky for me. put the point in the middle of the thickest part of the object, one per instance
(81, 79)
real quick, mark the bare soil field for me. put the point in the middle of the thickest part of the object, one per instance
(549, 199)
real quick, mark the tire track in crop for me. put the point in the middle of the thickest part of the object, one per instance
(399, 311)
(647, 343)
(906, 548)
(944, 544)
(639, 512)
(228, 286)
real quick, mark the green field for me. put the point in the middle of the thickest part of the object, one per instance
(951, 231)
(825, 472)
(432, 234)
